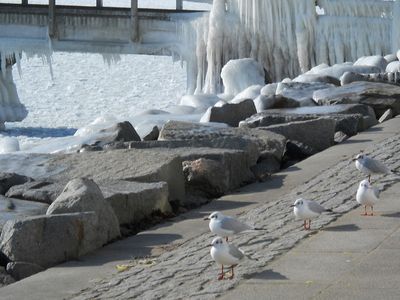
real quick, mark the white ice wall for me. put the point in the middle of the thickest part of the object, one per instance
(288, 37)
(11, 109)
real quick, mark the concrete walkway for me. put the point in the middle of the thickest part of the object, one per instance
(181, 266)
(356, 257)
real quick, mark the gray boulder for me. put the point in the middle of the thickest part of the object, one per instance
(212, 175)
(50, 239)
(300, 91)
(20, 270)
(120, 132)
(38, 191)
(267, 142)
(229, 113)
(265, 167)
(147, 165)
(152, 135)
(83, 195)
(380, 96)
(8, 180)
(134, 201)
(5, 278)
(348, 118)
(317, 134)
(206, 177)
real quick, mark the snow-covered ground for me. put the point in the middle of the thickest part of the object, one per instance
(85, 87)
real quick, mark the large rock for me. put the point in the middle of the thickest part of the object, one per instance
(301, 92)
(348, 117)
(317, 134)
(379, 96)
(120, 132)
(51, 239)
(310, 78)
(150, 165)
(134, 201)
(230, 114)
(206, 177)
(83, 195)
(11, 209)
(20, 270)
(38, 191)
(8, 180)
(234, 138)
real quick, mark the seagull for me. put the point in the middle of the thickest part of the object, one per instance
(367, 195)
(225, 254)
(225, 226)
(307, 210)
(369, 166)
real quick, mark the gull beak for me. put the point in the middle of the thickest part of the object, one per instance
(354, 159)
(292, 205)
(206, 218)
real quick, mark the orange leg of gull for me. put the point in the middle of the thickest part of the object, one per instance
(232, 274)
(226, 238)
(221, 276)
(369, 178)
(307, 226)
(372, 211)
(365, 211)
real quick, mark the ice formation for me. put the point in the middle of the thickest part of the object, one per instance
(11, 109)
(288, 37)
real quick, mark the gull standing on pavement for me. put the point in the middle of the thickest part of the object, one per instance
(367, 195)
(225, 226)
(369, 166)
(306, 210)
(225, 254)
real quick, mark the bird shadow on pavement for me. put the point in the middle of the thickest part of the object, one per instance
(345, 227)
(391, 215)
(356, 141)
(267, 275)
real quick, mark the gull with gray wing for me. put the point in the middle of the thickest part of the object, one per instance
(225, 226)
(370, 166)
(306, 210)
(367, 195)
(225, 254)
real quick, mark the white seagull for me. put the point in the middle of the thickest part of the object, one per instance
(369, 166)
(225, 226)
(306, 210)
(367, 195)
(225, 254)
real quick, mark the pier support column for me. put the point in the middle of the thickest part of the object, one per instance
(52, 18)
(134, 21)
(179, 4)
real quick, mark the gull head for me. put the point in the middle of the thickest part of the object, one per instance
(359, 157)
(298, 203)
(365, 184)
(216, 215)
(218, 242)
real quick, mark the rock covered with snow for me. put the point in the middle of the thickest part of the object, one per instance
(373, 61)
(251, 92)
(394, 66)
(380, 96)
(230, 114)
(391, 58)
(201, 101)
(338, 70)
(239, 74)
